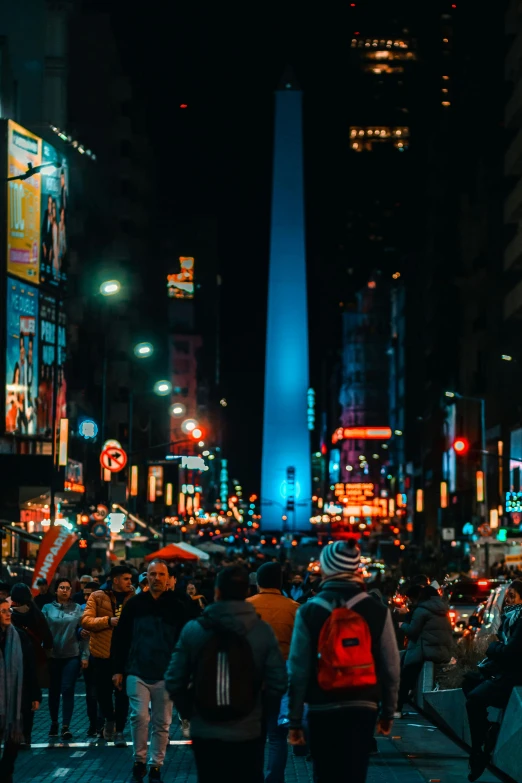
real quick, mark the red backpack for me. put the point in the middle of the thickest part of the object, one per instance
(344, 651)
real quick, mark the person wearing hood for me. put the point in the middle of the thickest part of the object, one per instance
(343, 662)
(430, 636)
(142, 645)
(64, 617)
(27, 617)
(226, 669)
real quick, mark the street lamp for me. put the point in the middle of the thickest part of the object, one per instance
(177, 409)
(162, 388)
(143, 350)
(110, 287)
(506, 357)
(189, 425)
(31, 170)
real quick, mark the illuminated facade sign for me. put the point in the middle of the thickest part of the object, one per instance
(310, 398)
(23, 204)
(21, 358)
(54, 210)
(355, 493)
(286, 437)
(513, 502)
(361, 433)
(180, 285)
(47, 364)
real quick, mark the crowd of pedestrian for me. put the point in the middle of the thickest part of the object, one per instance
(264, 660)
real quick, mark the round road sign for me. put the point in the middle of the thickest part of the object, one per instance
(99, 530)
(109, 443)
(484, 530)
(113, 459)
(100, 513)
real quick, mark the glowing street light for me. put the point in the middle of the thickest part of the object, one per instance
(506, 357)
(189, 425)
(177, 409)
(143, 350)
(110, 288)
(162, 388)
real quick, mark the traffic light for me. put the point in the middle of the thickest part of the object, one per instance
(82, 543)
(461, 446)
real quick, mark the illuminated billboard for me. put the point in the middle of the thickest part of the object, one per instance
(54, 213)
(23, 204)
(180, 285)
(21, 358)
(47, 343)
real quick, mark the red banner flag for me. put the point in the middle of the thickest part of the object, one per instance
(55, 545)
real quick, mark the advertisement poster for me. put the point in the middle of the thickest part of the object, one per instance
(47, 343)
(21, 358)
(181, 284)
(53, 211)
(23, 204)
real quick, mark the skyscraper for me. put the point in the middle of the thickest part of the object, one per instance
(286, 461)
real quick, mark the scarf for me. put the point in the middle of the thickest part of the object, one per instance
(511, 616)
(11, 680)
(348, 577)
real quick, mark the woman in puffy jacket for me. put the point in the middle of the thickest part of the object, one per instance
(430, 636)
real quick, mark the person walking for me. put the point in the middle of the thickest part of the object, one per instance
(343, 661)
(27, 617)
(19, 689)
(279, 612)
(63, 617)
(430, 637)
(79, 597)
(100, 617)
(142, 646)
(44, 596)
(94, 713)
(227, 667)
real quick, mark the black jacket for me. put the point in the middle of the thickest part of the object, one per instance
(38, 632)
(508, 656)
(146, 635)
(30, 688)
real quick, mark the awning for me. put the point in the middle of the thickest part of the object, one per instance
(171, 552)
(19, 531)
(194, 551)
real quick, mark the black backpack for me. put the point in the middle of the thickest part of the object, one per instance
(225, 683)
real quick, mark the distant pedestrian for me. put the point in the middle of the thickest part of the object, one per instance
(79, 597)
(5, 590)
(142, 647)
(44, 596)
(19, 689)
(63, 617)
(227, 665)
(343, 661)
(100, 617)
(279, 612)
(27, 617)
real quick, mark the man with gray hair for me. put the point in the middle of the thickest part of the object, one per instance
(142, 646)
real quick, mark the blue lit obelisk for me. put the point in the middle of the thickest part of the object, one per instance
(286, 462)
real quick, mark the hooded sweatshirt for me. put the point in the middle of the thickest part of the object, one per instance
(63, 621)
(241, 618)
(430, 636)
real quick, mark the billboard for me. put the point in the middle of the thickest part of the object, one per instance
(47, 343)
(23, 204)
(21, 358)
(181, 284)
(53, 221)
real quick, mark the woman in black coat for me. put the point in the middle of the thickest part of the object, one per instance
(503, 671)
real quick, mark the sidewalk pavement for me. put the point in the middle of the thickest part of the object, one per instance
(417, 753)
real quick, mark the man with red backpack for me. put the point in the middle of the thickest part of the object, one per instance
(226, 669)
(343, 663)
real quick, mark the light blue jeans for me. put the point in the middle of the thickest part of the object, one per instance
(141, 694)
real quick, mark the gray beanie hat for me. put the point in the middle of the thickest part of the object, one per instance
(341, 557)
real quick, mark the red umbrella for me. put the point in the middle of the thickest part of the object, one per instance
(171, 552)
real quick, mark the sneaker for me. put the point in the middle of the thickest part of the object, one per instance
(66, 734)
(92, 731)
(155, 775)
(478, 762)
(139, 771)
(53, 731)
(185, 728)
(397, 715)
(119, 740)
(108, 731)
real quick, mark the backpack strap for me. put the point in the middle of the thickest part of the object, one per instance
(349, 604)
(356, 599)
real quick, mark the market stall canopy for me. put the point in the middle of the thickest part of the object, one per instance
(194, 551)
(171, 552)
(209, 546)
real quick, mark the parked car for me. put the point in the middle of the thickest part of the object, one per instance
(464, 598)
(490, 621)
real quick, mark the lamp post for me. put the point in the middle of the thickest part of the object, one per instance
(108, 288)
(482, 402)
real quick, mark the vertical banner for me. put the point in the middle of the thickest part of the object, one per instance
(23, 203)
(55, 545)
(48, 366)
(21, 358)
(54, 213)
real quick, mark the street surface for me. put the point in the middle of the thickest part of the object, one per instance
(417, 753)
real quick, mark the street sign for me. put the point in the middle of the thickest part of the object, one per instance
(116, 521)
(100, 530)
(109, 443)
(88, 429)
(100, 513)
(113, 459)
(484, 530)
(448, 533)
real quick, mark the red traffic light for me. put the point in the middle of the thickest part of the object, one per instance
(461, 446)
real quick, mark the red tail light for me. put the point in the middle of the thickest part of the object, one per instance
(483, 582)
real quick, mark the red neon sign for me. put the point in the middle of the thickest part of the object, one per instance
(362, 433)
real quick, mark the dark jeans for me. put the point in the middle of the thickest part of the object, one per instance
(112, 710)
(63, 675)
(490, 693)
(277, 749)
(93, 709)
(340, 743)
(27, 720)
(409, 676)
(238, 761)
(7, 762)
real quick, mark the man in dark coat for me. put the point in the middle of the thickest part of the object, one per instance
(19, 689)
